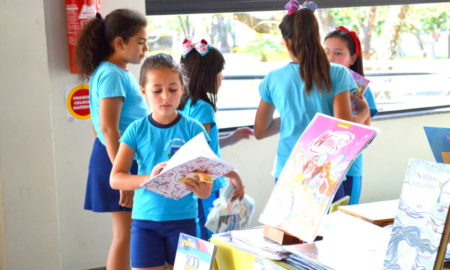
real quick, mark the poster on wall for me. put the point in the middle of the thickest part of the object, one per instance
(77, 102)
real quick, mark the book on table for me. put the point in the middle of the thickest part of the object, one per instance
(312, 174)
(420, 232)
(439, 140)
(379, 213)
(194, 253)
(193, 156)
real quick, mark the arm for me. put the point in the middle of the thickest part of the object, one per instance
(237, 135)
(120, 173)
(265, 124)
(110, 109)
(363, 115)
(236, 182)
(342, 109)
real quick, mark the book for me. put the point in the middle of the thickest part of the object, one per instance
(312, 174)
(193, 156)
(227, 215)
(341, 202)
(362, 83)
(379, 213)
(421, 226)
(439, 140)
(194, 253)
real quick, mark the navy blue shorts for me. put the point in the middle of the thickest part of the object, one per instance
(154, 243)
(100, 197)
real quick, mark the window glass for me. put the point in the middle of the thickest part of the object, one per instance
(405, 47)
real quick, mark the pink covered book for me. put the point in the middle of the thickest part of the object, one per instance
(310, 178)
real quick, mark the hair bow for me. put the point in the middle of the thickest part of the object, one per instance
(201, 47)
(354, 37)
(293, 6)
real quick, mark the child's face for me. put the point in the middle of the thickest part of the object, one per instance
(163, 92)
(338, 52)
(133, 51)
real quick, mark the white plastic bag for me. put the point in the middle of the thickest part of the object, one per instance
(226, 215)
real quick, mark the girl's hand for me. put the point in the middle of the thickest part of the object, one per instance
(126, 198)
(242, 133)
(201, 189)
(359, 102)
(157, 169)
(239, 192)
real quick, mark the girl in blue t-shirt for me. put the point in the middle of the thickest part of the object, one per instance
(157, 221)
(104, 50)
(307, 85)
(342, 46)
(204, 64)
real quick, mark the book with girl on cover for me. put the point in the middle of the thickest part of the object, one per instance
(314, 170)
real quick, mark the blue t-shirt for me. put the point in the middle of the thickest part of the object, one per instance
(357, 166)
(286, 91)
(110, 80)
(203, 112)
(155, 143)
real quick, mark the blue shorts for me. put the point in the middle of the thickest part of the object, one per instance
(153, 243)
(204, 207)
(100, 197)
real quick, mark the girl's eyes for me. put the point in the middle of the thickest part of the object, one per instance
(173, 90)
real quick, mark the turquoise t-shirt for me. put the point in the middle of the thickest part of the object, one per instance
(110, 80)
(357, 166)
(203, 112)
(286, 91)
(155, 143)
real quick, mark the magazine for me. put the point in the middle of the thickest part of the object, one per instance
(193, 156)
(362, 84)
(194, 253)
(312, 174)
(439, 140)
(421, 228)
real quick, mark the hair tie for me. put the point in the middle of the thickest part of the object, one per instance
(293, 6)
(201, 47)
(354, 38)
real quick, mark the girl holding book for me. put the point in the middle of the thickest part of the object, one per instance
(104, 50)
(342, 46)
(307, 85)
(204, 64)
(157, 221)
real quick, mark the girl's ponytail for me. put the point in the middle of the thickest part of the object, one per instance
(92, 46)
(301, 30)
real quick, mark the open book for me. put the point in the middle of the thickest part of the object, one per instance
(421, 227)
(194, 253)
(312, 174)
(195, 155)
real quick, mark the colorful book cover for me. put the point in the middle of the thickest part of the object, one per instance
(421, 217)
(195, 155)
(194, 253)
(312, 174)
(439, 140)
(362, 84)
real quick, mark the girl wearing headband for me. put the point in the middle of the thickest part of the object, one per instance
(307, 85)
(204, 64)
(342, 46)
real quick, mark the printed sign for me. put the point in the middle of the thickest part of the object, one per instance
(77, 102)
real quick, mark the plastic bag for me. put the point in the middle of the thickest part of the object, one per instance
(226, 215)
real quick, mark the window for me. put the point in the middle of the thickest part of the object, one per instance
(406, 51)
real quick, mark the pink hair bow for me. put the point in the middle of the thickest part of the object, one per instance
(201, 47)
(293, 6)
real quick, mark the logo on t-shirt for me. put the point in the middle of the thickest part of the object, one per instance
(173, 145)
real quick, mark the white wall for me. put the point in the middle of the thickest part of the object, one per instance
(43, 158)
